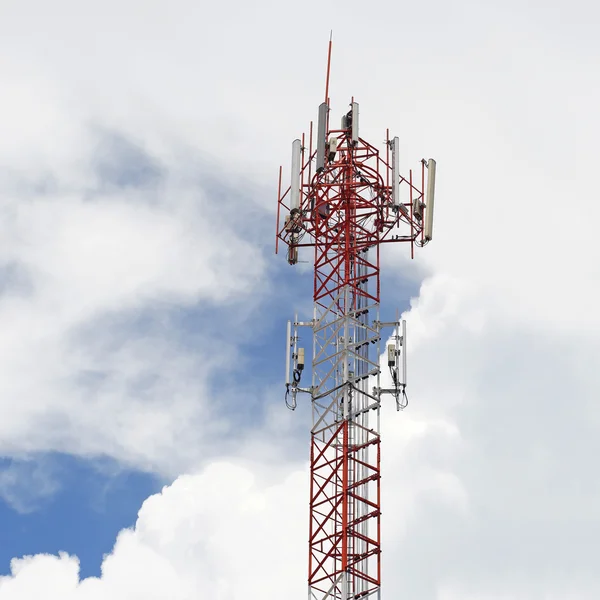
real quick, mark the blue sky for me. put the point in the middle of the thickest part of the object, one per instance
(92, 503)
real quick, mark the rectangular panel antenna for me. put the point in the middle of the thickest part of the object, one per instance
(287, 352)
(404, 352)
(396, 171)
(322, 136)
(295, 185)
(355, 123)
(429, 199)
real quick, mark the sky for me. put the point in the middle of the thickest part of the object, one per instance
(145, 448)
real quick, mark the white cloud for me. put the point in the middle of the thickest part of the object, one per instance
(492, 487)
(228, 532)
(82, 261)
(88, 265)
(182, 545)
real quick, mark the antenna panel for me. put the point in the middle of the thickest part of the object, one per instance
(287, 352)
(404, 352)
(295, 185)
(396, 171)
(322, 136)
(355, 123)
(429, 199)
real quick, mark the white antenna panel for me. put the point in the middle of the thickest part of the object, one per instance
(396, 171)
(355, 123)
(295, 185)
(404, 352)
(321, 136)
(429, 199)
(287, 352)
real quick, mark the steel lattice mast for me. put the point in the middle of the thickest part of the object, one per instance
(345, 201)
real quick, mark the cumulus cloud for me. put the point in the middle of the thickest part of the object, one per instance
(516, 404)
(83, 265)
(106, 223)
(90, 247)
(182, 546)
(226, 532)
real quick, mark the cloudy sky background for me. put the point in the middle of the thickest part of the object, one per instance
(142, 310)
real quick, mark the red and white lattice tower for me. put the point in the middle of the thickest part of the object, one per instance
(346, 198)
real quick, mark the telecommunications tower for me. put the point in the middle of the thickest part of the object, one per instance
(346, 198)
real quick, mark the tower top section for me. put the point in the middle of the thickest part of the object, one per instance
(335, 174)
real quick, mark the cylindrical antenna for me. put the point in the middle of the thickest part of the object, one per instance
(278, 211)
(404, 352)
(429, 199)
(302, 152)
(287, 352)
(396, 171)
(355, 122)
(295, 185)
(321, 136)
(310, 152)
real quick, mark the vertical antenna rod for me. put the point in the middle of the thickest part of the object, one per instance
(328, 67)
